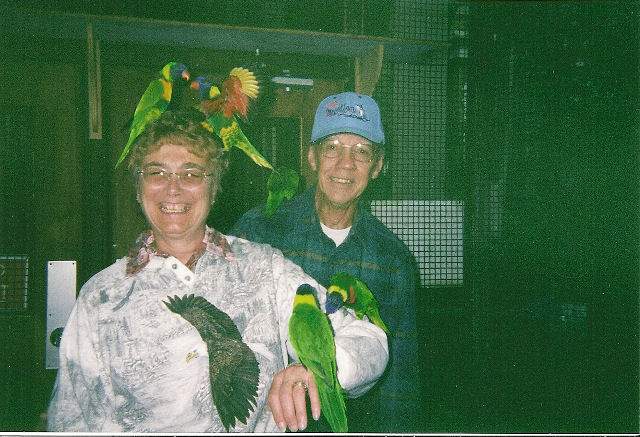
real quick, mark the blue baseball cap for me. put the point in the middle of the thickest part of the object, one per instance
(348, 113)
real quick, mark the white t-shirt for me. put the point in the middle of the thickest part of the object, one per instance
(337, 235)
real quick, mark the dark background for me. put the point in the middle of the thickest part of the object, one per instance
(541, 147)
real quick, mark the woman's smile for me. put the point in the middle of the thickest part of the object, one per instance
(174, 212)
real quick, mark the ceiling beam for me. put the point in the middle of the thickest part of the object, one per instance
(220, 37)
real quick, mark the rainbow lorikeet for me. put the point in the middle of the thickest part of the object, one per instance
(221, 106)
(154, 102)
(349, 291)
(282, 184)
(233, 368)
(312, 339)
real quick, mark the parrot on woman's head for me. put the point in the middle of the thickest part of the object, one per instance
(154, 102)
(312, 339)
(221, 106)
(205, 89)
(349, 291)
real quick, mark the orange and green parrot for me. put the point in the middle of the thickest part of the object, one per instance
(311, 336)
(154, 102)
(349, 291)
(221, 106)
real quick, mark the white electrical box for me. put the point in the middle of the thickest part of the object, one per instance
(61, 296)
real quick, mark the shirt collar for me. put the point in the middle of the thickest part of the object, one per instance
(145, 248)
(308, 217)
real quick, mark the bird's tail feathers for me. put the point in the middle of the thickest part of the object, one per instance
(376, 319)
(333, 407)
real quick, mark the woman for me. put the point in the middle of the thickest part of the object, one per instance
(136, 355)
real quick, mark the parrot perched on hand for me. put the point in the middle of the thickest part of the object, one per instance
(221, 106)
(312, 339)
(233, 368)
(154, 102)
(349, 291)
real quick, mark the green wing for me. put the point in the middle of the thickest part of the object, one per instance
(228, 129)
(282, 184)
(367, 305)
(358, 297)
(152, 95)
(217, 121)
(151, 105)
(312, 338)
(233, 368)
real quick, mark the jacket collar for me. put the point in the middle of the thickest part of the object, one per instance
(307, 216)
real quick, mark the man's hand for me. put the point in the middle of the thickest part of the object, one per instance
(288, 400)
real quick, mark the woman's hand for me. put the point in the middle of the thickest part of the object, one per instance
(287, 397)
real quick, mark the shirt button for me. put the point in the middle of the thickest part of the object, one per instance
(175, 266)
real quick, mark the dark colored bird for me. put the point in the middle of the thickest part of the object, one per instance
(154, 102)
(233, 368)
(312, 338)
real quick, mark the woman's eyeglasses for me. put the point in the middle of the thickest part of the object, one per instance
(187, 179)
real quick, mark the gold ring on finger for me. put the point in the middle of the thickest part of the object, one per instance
(300, 383)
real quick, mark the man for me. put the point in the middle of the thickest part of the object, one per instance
(327, 230)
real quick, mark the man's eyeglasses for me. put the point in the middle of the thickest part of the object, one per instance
(188, 179)
(359, 152)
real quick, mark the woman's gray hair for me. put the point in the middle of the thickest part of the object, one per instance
(181, 128)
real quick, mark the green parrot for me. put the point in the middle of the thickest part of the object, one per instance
(220, 108)
(233, 368)
(282, 184)
(154, 102)
(349, 291)
(312, 339)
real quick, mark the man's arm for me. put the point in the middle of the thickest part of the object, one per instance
(251, 226)
(400, 388)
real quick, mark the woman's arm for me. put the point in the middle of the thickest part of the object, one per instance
(361, 349)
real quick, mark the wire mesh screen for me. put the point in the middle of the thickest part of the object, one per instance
(14, 274)
(419, 108)
(436, 243)
(420, 19)
(415, 94)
